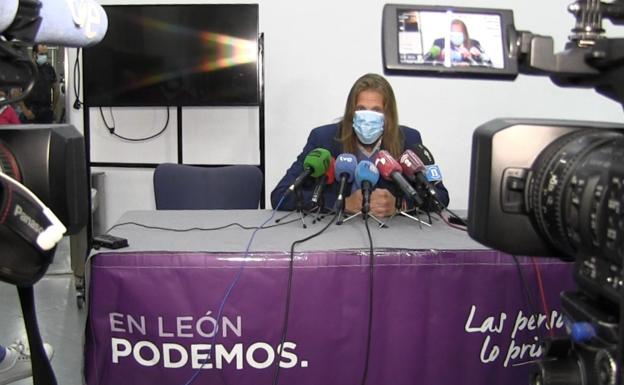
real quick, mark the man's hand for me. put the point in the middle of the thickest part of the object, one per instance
(353, 203)
(464, 52)
(382, 203)
(475, 52)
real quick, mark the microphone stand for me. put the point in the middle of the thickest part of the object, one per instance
(339, 204)
(365, 211)
(298, 209)
(319, 215)
(340, 219)
(316, 211)
(400, 211)
(381, 224)
(318, 198)
(415, 218)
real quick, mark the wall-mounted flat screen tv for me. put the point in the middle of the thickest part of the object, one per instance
(175, 55)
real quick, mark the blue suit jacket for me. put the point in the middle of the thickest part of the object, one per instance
(327, 137)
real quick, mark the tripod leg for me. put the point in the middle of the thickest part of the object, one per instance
(420, 222)
(301, 216)
(352, 216)
(278, 220)
(381, 224)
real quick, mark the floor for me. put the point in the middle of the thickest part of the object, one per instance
(61, 322)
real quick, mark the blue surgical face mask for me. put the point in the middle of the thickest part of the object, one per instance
(457, 38)
(42, 59)
(368, 125)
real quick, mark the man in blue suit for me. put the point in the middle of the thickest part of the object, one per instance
(370, 123)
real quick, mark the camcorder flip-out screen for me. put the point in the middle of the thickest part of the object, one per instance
(448, 41)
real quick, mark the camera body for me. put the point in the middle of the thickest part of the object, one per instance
(549, 188)
(555, 188)
(46, 178)
(558, 187)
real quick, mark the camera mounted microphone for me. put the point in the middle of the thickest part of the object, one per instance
(70, 23)
(315, 164)
(8, 10)
(390, 169)
(366, 177)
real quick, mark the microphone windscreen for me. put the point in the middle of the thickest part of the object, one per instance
(386, 164)
(366, 171)
(424, 154)
(8, 10)
(318, 161)
(330, 171)
(434, 52)
(345, 165)
(411, 164)
(71, 23)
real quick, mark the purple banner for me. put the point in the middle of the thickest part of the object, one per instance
(439, 317)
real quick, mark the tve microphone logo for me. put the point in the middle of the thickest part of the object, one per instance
(433, 173)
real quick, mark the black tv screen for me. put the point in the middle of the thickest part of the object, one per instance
(175, 55)
(448, 41)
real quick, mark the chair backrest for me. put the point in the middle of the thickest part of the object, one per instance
(185, 187)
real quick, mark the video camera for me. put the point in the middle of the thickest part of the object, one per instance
(561, 193)
(44, 190)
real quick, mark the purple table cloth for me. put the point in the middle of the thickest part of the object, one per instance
(439, 317)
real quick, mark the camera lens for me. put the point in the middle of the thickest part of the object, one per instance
(573, 183)
(606, 368)
(563, 371)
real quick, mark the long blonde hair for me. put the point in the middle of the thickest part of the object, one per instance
(462, 25)
(392, 139)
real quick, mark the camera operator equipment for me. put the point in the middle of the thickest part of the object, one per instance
(562, 192)
(562, 195)
(45, 164)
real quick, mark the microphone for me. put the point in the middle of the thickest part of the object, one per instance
(423, 153)
(433, 173)
(390, 169)
(344, 171)
(70, 23)
(366, 177)
(8, 10)
(327, 178)
(414, 168)
(433, 53)
(330, 174)
(315, 164)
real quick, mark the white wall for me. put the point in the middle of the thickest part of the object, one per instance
(314, 51)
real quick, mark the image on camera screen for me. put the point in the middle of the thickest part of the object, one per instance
(450, 39)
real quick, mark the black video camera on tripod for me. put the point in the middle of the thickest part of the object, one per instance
(561, 193)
